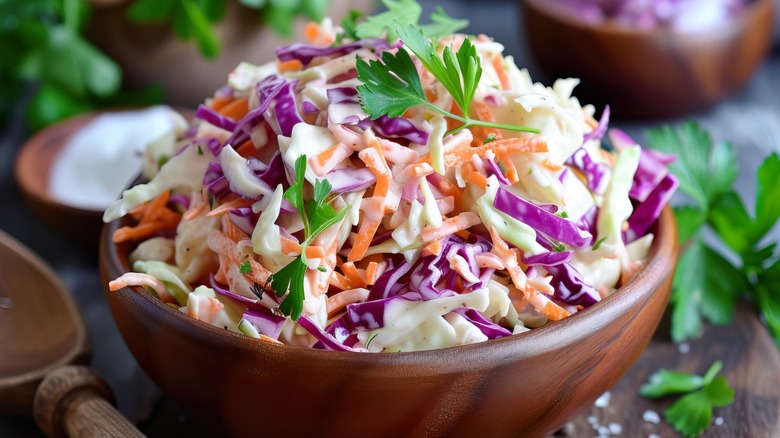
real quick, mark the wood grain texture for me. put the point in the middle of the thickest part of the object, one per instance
(40, 327)
(751, 364)
(73, 401)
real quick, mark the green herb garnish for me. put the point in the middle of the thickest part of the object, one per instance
(393, 86)
(245, 267)
(691, 414)
(317, 215)
(707, 283)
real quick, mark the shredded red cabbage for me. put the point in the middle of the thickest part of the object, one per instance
(537, 218)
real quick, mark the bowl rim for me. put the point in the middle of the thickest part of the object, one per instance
(658, 265)
(49, 143)
(608, 26)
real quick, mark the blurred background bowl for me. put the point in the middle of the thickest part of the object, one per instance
(527, 385)
(649, 73)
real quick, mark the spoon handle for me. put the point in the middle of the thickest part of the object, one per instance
(74, 401)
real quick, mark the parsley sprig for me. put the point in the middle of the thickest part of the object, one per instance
(317, 215)
(393, 86)
(692, 413)
(708, 281)
(403, 12)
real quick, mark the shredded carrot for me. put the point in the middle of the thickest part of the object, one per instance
(339, 281)
(372, 216)
(481, 133)
(432, 248)
(454, 224)
(247, 149)
(357, 277)
(153, 218)
(478, 179)
(511, 169)
(462, 153)
(291, 247)
(551, 166)
(499, 66)
(219, 102)
(372, 273)
(338, 301)
(375, 161)
(236, 109)
(231, 230)
(312, 31)
(226, 206)
(291, 65)
(418, 170)
(326, 160)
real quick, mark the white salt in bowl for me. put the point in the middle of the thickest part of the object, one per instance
(69, 172)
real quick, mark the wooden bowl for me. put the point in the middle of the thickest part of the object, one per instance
(527, 385)
(649, 73)
(32, 169)
(40, 325)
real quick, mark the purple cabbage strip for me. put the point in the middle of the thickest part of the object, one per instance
(396, 127)
(600, 129)
(548, 258)
(307, 52)
(492, 168)
(267, 90)
(326, 340)
(244, 218)
(650, 172)
(646, 213)
(486, 326)
(370, 315)
(285, 110)
(588, 220)
(214, 180)
(222, 290)
(209, 115)
(592, 170)
(570, 287)
(537, 218)
(265, 321)
(342, 95)
(387, 283)
(350, 180)
(309, 107)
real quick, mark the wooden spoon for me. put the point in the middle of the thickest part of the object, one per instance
(42, 333)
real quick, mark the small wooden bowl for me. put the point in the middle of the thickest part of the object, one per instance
(32, 169)
(649, 73)
(527, 385)
(41, 326)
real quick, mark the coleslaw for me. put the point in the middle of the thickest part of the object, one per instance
(287, 213)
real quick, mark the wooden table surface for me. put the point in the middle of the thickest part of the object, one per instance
(751, 364)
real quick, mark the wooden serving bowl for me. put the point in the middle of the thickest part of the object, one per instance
(649, 73)
(527, 385)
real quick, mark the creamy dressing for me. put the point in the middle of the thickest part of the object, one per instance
(105, 156)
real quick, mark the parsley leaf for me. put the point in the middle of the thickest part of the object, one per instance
(692, 413)
(392, 86)
(442, 24)
(317, 216)
(705, 285)
(398, 11)
(707, 282)
(245, 267)
(706, 170)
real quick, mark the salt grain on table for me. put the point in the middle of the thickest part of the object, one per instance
(684, 348)
(651, 417)
(615, 428)
(603, 401)
(719, 421)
